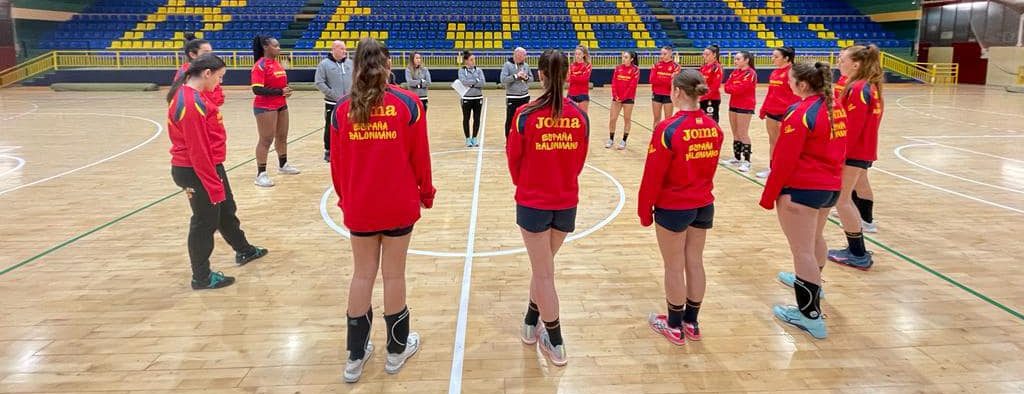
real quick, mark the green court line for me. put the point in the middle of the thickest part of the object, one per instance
(74, 239)
(889, 249)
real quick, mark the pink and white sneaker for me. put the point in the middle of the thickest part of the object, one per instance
(659, 324)
(691, 331)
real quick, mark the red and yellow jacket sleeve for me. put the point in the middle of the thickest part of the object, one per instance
(581, 74)
(713, 78)
(857, 103)
(191, 119)
(789, 146)
(659, 157)
(420, 156)
(740, 84)
(338, 125)
(514, 147)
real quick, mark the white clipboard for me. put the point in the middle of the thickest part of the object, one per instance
(460, 89)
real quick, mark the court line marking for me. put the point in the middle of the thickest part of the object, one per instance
(78, 237)
(159, 129)
(929, 106)
(899, 153)
(899, 102)
(324, 199)
(955, 193)
(934, 137)
(964, 149)
(887, 248)
(21, 163)
(458, 351)
(35, 107)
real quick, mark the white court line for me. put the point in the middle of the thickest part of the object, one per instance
(159, 129)
(933, 137)
(899, 102)
(927, 106)
(458, 351)
(21, 163)
(964, 149)
(926, 184)
(899, 153)
(16, 116)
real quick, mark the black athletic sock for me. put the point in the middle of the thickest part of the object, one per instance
(865, 207)
(808, 298)
(625, 137)
(261, 168)
(611, 136)
(282, 160)
(675, 315)
(737, 150)
(532, 314)
(554, 330)
(359, 334)
(856, 243)
(747, 151)
(398, 330)
(692, 309)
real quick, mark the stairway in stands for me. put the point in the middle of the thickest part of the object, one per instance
(302, 19)
(668, 24)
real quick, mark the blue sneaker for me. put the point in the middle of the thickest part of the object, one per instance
(787, 278)
(469, 142)
(791, 314)
(845, 257)
(474, 141)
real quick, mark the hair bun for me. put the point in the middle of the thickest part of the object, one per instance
(702, 89)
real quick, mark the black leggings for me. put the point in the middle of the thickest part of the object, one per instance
(710, 107)
(328, 113)
(207, 219)
(474, 107)
(511, 105)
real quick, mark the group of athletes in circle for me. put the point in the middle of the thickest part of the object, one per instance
(822, 139)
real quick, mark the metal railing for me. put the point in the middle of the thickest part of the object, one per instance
(933, 73)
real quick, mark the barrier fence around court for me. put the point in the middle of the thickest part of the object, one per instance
(933, 73)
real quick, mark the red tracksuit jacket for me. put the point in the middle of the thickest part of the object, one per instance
(780, 96)
(661, 77)
(681, 163)
(712, 73)
(198, 139)
(863, 107)
(269, 73)
(381, 168)
(810, 152)
(624, 81)
(216, 96)
(579, 78)
(839, 87)
(742, 86)
(546, 155)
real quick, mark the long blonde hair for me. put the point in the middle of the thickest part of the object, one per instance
(586, 53)
(369, 80)
(870, 59)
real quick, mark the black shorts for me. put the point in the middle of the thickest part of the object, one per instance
(816, 199)
(540, 220)
(678, 220)
(741, 111)
(661, 98)
(777, 118)
(581, 98)
(859, 163)
(395, 232)
(257, 111)
(626, 101)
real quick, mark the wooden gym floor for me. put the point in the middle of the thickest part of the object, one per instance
(94, 289)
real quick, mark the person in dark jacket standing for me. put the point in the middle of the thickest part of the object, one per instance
(333, 79)
(516, 78)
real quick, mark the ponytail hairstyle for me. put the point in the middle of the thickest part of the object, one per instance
(818, 77)
(196, 67)
(691, 82)
(632, 55)
(369, 79)
(192, 45)
(750, 59)
(586, 53)
(555, 66)
(714, 48)
(465, 56)
(870, 59)
(788, 53)
(258, 43)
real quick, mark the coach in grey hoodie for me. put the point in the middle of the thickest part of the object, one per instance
(418, 77)
(333, 79)
(516, 78)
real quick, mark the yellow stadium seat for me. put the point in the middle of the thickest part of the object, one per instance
(488, 44)
(384, 35)
(449, 36)
(507, 35)
(460, 35)
(498, 45)
(115, 45)
(452, 26)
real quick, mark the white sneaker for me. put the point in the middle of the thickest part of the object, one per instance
(530, 333)
(608, 145)
(354, 369)
(288, 169)
(556, 354)
(868, 227)
(263, 180)
(744, 166)
(396, 361)
(763, 174)
(622, 145)
(729, 162)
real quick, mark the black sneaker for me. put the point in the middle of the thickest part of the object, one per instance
(215, 281)
(327, 156)
(243, 258)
